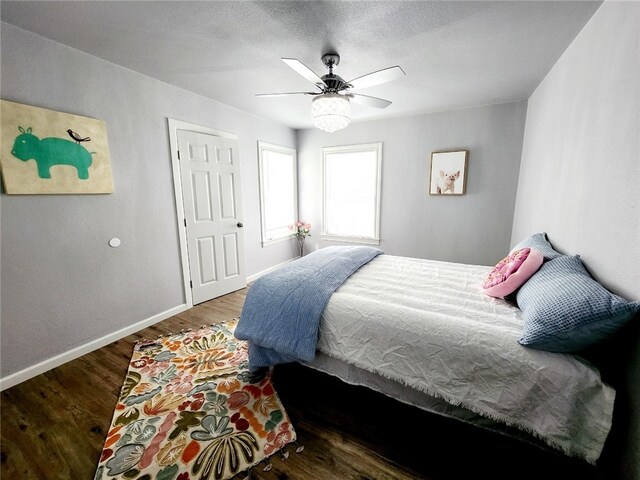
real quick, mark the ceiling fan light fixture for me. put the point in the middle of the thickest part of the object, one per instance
(331, 111)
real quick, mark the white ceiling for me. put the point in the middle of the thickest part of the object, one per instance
(455, 54)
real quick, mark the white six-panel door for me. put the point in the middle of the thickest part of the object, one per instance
(210, 178)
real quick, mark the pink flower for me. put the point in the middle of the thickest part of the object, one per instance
(299, 224)
(307, 226)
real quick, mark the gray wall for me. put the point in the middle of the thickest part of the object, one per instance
(62, 285)
(580, 174)
(473, 228)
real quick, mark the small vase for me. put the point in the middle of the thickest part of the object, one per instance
(301, 246)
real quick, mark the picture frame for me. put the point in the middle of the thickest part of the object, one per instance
(448, 172)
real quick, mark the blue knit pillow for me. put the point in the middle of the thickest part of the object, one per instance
(565, 310)
(539, 242)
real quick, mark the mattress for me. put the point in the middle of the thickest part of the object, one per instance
(428, 326)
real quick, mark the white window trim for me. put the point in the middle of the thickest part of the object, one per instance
(365, 147)
(262, 146)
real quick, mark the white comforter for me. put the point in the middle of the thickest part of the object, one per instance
(427, 324)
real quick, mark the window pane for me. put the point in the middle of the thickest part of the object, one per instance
(279, 191)
(351, 190)
(278, 196)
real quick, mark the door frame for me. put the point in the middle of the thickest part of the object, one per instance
(175, 125)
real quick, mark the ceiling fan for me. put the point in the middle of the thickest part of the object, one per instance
(331, 107)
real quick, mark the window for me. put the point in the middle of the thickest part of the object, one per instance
(351, 210)
(278, 192)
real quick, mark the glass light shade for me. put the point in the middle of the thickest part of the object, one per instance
(331, 111)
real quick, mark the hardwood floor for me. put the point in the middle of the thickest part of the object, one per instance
(54, 425)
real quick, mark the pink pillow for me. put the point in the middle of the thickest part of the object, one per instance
(512, 271)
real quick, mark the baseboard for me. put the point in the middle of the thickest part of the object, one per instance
(255, 276)
(53, 362)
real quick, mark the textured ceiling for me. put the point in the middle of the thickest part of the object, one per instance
(455, 54)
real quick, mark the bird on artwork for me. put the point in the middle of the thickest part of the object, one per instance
(77, 136)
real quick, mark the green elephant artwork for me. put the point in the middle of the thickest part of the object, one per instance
(51, 151)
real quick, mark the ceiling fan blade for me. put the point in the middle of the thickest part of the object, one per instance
(285, 94)
(369, 101)
(376, 78)
(303, 70)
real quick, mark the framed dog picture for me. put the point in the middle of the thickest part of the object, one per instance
(448, 173)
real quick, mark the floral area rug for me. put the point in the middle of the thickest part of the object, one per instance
(190, 409)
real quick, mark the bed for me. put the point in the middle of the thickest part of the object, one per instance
(423, 332)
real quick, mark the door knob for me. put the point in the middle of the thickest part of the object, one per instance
(240, 225)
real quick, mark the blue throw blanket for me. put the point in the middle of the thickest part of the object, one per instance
(282, 311)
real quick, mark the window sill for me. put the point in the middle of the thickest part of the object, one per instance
(338, 238)
(273, 241)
